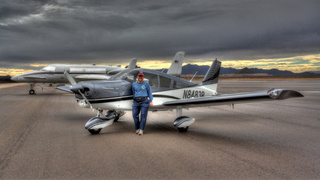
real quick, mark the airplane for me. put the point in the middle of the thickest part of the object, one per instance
(169, 93)
(54, 73)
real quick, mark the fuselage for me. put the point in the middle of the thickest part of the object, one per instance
(54, 73)
(116, 93)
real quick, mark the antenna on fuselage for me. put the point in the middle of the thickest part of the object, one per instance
(193, 76)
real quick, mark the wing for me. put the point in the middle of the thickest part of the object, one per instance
(227, 99)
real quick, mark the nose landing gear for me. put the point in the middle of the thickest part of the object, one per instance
(32, 92)
(95, 124)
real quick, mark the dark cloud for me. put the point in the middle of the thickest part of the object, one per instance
(116, 31)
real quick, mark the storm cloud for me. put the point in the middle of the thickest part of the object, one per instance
(82, 31)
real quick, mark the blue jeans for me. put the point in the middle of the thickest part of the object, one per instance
(138, 107)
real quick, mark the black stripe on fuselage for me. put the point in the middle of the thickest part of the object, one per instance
(208, 101)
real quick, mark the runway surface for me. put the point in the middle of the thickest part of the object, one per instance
(43, 136)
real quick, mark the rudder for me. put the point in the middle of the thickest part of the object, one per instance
(176, 65)
(212, 75)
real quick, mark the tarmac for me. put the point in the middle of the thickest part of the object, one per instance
(42, 136)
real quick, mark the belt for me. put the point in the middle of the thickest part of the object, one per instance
(139, 99)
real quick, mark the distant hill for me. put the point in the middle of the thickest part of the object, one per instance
(315, 72)
(245, 71)
(202, 70)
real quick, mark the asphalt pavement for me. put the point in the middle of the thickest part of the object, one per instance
(43, 136)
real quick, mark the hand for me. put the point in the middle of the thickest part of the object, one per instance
(151, 104)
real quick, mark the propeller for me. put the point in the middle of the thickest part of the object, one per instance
(73, 83)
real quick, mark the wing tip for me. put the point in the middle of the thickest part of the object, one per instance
(284, 94)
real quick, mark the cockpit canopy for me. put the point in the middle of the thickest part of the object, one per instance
(157, 80)
(48, 69)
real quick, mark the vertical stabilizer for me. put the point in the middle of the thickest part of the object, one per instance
(133, 63)
(176, 65)
(212, 74)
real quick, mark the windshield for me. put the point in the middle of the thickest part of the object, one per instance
(129, 75)
(48, 68)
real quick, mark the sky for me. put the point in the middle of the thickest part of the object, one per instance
(283, 34)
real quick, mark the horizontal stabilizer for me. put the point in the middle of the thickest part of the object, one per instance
(238, 98)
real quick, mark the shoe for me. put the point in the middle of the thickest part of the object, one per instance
(137, 131)
(140, 132)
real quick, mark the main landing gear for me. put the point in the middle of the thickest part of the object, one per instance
(182, 122)
(32, 92)
(95, 124)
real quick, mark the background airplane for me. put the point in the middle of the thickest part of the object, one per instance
(169, 93)
(54, 73)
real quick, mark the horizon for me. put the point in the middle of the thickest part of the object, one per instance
(297, 64)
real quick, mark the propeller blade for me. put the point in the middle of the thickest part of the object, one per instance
(85, 99)
(70, 78)
(73, 82)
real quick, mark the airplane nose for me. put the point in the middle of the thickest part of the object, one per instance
(14, 78)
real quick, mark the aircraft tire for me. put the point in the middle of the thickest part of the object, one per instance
(31, 92)
(183, 129)
(93, 131)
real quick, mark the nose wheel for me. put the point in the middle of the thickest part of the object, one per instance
(93, 131)
(32, 92)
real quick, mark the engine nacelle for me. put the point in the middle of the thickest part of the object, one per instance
(183, 121)
(97, 123)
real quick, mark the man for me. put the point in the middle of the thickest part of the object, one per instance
(141, 91)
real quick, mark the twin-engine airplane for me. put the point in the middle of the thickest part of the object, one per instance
(54, 73)
(169, 92)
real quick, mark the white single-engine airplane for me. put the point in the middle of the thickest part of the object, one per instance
(169, 93)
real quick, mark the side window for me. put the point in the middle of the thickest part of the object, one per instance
(152, 79)
(177, 85)
(165, 82)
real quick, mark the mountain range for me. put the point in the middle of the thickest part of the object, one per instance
(202, 70)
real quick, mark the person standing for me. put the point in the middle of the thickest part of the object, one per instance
(141, 91)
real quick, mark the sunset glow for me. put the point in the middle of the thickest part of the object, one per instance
(295, 64)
